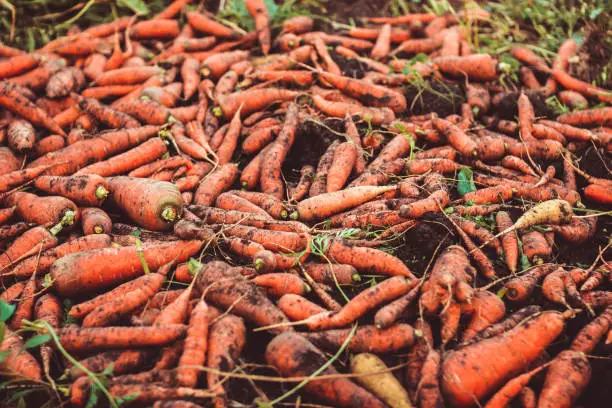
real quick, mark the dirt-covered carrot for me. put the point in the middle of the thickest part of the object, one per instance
(428, 391)
(25, 307)
(49, 210)
(469, 374)
(95, 221)
(110, 312)
(304, 358)
(520, 288)
(43, 261)
(18, 362)
(566, 378)
(300, 190)
(122, 362)
(146, 111)
(598, 193)
(257, 9)
(215, 183)
(89, 190)
(477, 67)
(109, 266)
(95, 338)
(297, 307)
(319, 183)
(17, 177)
(366, 338)
(456, 137)
(225, 286)
(21, 136)
(202, 23)
(271, 205)
(341, 109)
(105, 114)
(14, 101)
(279, 284)
(529, 57)
(154, 205)
(230, 201)
(227, 338)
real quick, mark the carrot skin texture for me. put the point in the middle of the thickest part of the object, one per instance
(566, 378)
(460, 387)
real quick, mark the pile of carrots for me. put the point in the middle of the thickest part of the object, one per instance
(152, 222)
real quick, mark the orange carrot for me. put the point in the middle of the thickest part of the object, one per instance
(108, 266)
(215, 183)
(279, 284)
(18, 362)
(48, 210)
(206, 25)
(528, 57)
(155, 29)
(456, 137)
(294, 356)
(229, 201)
(104, 113)
(376, 116)
(598, 193)
(298, 308)
(146, 111)
(89, 190)
(566, 378)
(21, 136)
(251, 100)
(257, 9)
(477, 67)
(584, 88)
(194, 352)
(15, 102)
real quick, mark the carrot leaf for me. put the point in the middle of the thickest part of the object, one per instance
(466, 181)
(36, 341)
(6, 310)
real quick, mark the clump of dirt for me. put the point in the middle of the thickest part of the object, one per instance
(594, 57)
(507, 107)
(350, 67)
(311, 140)
(419, 244)
(442, 97)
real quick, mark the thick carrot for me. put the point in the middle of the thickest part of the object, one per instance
(89, 190)
(90, 339)
(43, 210)
(528, 57)
(25, 306)
(271, 205)
(342, 164)
(8, 161)
(366, 339)
(566, 378)
(473, 372)
(456, 137)
(509, 241)
(219, 63)
(109, 266)
(17, 177)
(155, 29)
(14, 101)
(43, 261)
(229, 201)
(294, 356)
(228, 146)
(486, 309)
(319, 182)
(297, 308)
(146, 111)
(49, 144)
(251, 100)
(18, 64)
(341, 109)
(194, 352)
(477, 67)
(324, 205)
(598, 193)
(496, 194)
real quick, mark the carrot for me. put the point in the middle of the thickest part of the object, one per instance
(573, 99)
(511, 389)
(125, 264)
(155, 29)
(297, 308)
(120, 306)
(324, 205)
(456, 137)
(584, 88)
(231, 288)
(600, 194)
(8, 161)
(273, 240)
(516, 163)
(525, 190)
(215, 183)
(389, 314)
(202, 23)
(374, 95)
(567, 376)
(344, 159)
(509, 240)
(477, 67)
(218, 216)
(339, 391)
(434, 203)
(21, 136)
(89, 190)
(486, 309)
(569, 131)
(279, 284)
(525, 55)
(127, 76)
(366, 339)
(62, 83)
(25, 307)
(173, 9)
(122, 362)
(271, 205)
(13, 230)
(529, 79)
(298, 192)
(520, 288)
(194, 352)
(376, 116)
(328, 61)
(6, 214)
(146, 111)
(252, 171)
(298, 24)
(15, 102)
(362, 303)
(251, 100)
(228, 146)
(109, 91)
(590, 335)
(90, 339)
(218, 64)
(225, 343)
(18, 362)
(330, 273)
(104, 113)
(257, 9)
(17, 177)
(526, 117)
(270, 179)
(230, 201)
(48, 307)
(49, 144)
(469, 374)
(43, 261)
(43, 210)
(18, 64)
